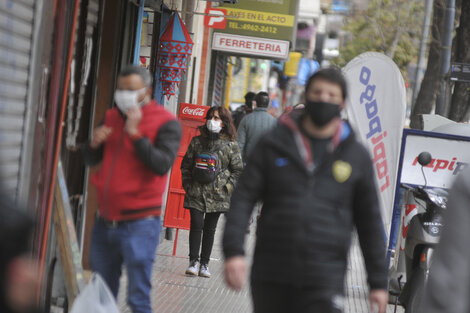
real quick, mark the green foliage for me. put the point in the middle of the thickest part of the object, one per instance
(392, 27)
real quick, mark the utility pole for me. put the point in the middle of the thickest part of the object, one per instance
(441, 106)
(422, 50)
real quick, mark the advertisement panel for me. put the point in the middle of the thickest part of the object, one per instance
(376, 110)
(191, 117)
(274, 19)
(450, 156)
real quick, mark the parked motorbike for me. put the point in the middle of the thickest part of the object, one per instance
(422, 237)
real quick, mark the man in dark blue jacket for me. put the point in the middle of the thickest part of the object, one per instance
(316, 181)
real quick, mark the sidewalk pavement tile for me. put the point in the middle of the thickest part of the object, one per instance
(174, 292)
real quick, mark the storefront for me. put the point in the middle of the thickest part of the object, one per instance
(246, 38)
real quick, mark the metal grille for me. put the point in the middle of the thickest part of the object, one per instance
(16, 26)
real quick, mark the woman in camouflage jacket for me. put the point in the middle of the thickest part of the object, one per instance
(207, 201)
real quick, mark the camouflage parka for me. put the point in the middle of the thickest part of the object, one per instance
(215, 196)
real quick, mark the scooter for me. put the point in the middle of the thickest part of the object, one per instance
(421, 239)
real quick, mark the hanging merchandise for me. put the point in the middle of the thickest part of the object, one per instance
(175, 49)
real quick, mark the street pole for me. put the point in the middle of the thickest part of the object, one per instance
(422, 50)
(445, 56)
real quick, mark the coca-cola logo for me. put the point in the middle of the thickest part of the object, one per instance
(195, 112)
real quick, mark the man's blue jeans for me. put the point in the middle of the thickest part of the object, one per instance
(133, 244)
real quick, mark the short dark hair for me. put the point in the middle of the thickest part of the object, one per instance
(262, 99)
(137, 70)
(331, 74)
(249, 97)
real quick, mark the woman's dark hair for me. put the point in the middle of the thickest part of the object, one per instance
(331, 74)
(226, 117)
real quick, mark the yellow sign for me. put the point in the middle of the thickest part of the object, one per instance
(341, 171)
(291, 67)
(260, 17)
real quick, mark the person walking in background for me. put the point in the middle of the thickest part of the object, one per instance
(245, 109)
(210, 169)
(317, 183)
(448, 285)
(253, 126)
(136, 146)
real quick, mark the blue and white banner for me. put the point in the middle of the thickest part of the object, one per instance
(376, 110)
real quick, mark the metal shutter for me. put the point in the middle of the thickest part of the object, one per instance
(16, 29)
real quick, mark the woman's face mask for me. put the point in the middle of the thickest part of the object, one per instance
(127, 99)
(214, 126)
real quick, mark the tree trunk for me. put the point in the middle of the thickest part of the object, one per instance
(461, 98)
(430, 85)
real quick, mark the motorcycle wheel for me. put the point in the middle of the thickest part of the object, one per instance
(416, 291)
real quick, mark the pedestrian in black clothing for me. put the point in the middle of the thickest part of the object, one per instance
(316, 181)
(245, 109)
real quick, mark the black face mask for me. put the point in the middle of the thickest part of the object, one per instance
(321, 113)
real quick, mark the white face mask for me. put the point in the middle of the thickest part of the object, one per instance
(127, 99)
(214, 126)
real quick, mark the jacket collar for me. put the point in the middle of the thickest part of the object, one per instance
(260, 109)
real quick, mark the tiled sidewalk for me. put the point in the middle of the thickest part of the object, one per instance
(173, 292)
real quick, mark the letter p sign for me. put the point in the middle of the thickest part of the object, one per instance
(216, 19)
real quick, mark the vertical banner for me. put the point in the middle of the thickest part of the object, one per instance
(376, 110)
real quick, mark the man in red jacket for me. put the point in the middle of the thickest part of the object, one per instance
(136, 145)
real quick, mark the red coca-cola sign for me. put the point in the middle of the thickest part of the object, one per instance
(196, 111)
(193, 111)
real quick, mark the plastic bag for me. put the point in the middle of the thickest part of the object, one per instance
(95, 298)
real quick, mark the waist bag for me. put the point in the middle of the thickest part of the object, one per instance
(207, 165)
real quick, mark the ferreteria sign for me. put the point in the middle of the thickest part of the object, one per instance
(262, 19)
(270, 48)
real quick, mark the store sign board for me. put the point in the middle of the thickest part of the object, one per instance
(450, 156)
(190, 111)
(273, 19)
(215, 18)
(254, 46)
(460, 72)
